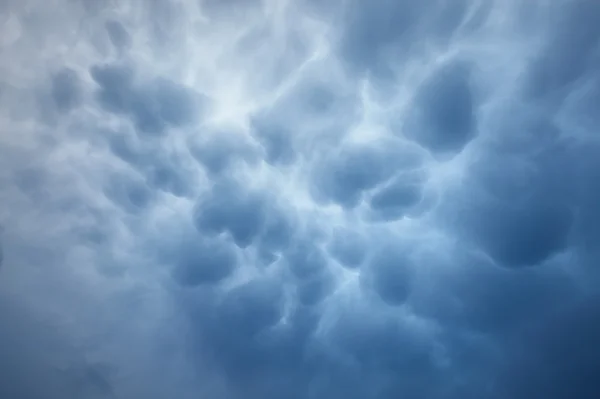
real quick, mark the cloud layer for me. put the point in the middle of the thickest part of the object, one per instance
(299, 199)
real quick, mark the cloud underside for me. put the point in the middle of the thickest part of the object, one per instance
(277, 199)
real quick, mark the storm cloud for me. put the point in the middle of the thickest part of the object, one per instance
(299, 199)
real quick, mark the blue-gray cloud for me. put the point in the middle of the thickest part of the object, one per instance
(66, 89)
(118, 35)
(270, 199)
(153, 106)
(443, 113)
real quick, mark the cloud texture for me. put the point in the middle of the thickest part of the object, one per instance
(299, 199)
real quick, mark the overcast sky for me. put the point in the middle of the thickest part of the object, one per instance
(299, 199)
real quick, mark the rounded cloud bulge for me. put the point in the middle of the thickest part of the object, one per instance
(299, 199)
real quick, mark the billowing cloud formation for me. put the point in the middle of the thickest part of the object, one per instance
(277, 199)
(153, 106)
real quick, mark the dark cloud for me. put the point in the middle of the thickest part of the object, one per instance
(239, 321)
(130, 194)
(47, 359)
(558, 356)
(169, 178)
(95, 6)
(115, 83)
(379, 36)
(230, 208)
(394, 199)
(160, 171)
(222, 150)
(164, 19)
(224, 8)
(153, 106)
(355, 172)
(92, 380)
(391, 275)
(385, 199)
(118, 35)
(313, 290)
(175, 103)
(125, 147)
(476, 296)
(31, 181)
(66, 89)
(277, 235)
(389, 357)
(570, 53)
(443, 116)
(246, 329)
(519, 208)
(306, 259)
(204, 263)
(371, 30)
(276, 139)
(317, 98)
(161, 104)
(348, 247)
(521, 237)
(348, 173)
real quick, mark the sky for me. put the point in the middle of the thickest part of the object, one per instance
(299, 199)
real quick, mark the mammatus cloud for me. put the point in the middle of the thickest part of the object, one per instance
(299, 199)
